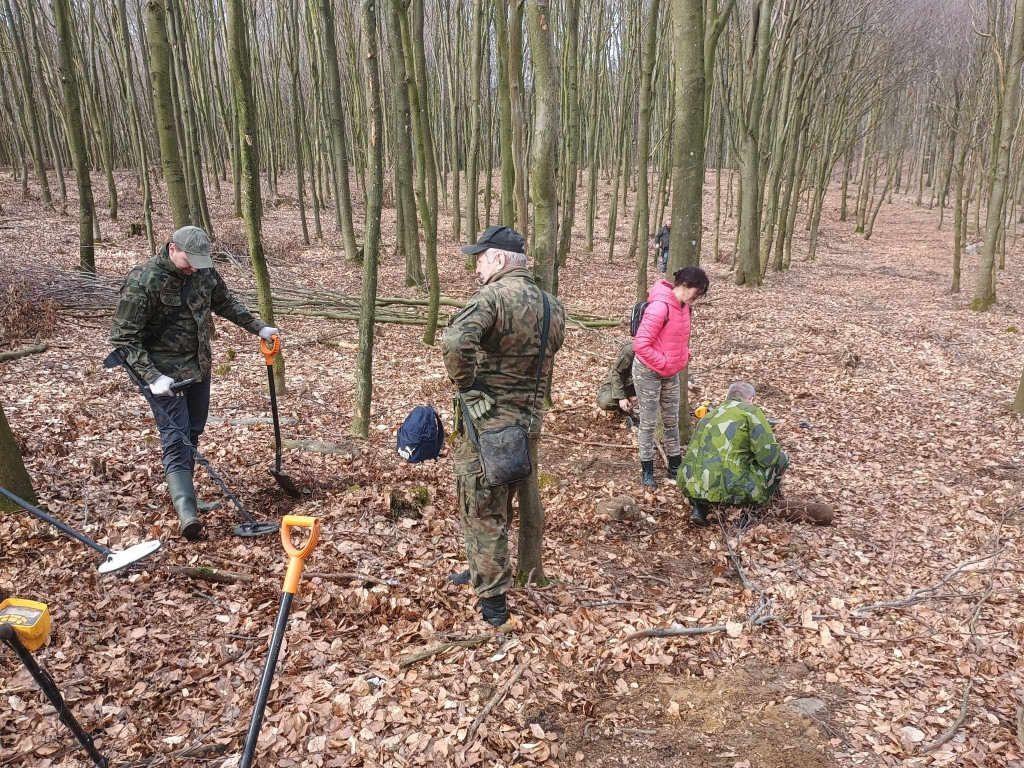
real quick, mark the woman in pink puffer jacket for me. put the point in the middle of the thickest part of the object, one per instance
(662, 347)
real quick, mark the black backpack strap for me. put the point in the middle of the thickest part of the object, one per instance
(543, 347)
(186, 291)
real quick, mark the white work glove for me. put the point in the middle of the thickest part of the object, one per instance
(267, 331)
(162, 386)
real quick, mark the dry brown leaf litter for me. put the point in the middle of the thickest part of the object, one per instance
(905, 392)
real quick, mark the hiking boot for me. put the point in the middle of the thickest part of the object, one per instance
(647, 474)
(462, 579)
(674, 462)
(494, 609)
(699, 516)
(183, 497)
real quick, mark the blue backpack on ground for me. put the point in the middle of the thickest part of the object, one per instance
(421, 435)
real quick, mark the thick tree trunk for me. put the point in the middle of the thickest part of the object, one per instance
(688, 143)
(507, 211)
(642, 208)
(1018, 402)
(65, 25)
(13, 475)
(371, 241)
(248, 144)
(519, 126)
(570, 89)
(545, 144)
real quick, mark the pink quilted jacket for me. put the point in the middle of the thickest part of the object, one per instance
(662, 341)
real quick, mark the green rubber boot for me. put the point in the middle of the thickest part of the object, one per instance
(183, 497)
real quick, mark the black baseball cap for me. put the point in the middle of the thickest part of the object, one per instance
(505, 238)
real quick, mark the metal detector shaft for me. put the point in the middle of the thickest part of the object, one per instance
(55, 522)
(256, 723)
(43, 679)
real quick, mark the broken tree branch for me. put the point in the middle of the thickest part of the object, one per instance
(210, 574)
(495, 699)
(352, 576)
(433, 650)
(15, 354)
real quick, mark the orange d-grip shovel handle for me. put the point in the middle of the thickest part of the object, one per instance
(297, 556)
(270, 352)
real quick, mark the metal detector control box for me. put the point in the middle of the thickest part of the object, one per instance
(30, 620)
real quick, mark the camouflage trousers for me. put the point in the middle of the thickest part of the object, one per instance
(654, 392)
(485, 512)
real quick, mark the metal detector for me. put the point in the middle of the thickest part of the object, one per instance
(250, 527)
(114, 561)
(296, 558)
(24, 627)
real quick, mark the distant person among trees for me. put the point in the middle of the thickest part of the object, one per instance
(164, 320)
(734, 460)
(662, 347)
(492, 352)
(617, 388)
(661, 240)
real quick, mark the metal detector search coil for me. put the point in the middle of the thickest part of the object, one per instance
(30, 620)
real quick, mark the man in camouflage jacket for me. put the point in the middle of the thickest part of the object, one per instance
(733, 457)
(491, 350)
(163, 321)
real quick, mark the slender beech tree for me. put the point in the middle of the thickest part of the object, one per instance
(642, 210)
(248, 144)
(985, 284)
(62, 16)
(339, 155)
(476, 43)
(164, 112)
(545, 144)
(371, 237)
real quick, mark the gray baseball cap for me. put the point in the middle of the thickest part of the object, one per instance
(196, 245)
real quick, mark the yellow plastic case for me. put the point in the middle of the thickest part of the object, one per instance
(31, 620)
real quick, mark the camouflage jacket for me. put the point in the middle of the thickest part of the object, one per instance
(493, 345)
(733, 457)
(618, 383)
(151, 297)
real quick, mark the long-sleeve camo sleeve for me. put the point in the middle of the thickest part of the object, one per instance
(134, 309)
(462, 338)
(223, 302)
(622, 374)
(763, 444)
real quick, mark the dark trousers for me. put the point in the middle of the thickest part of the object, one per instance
(179, 419)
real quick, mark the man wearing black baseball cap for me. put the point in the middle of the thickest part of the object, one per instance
(492, 352)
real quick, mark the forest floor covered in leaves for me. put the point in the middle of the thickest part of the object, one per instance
(882, 622)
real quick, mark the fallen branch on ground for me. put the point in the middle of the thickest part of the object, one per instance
(352, 576)
(676, 631)
(951, 731)
(15, 354)
(433, 650)
(210, 574)
(495, 699)
(584, 442)
(315, 446)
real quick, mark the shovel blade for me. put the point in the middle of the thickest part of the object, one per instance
(287, 484)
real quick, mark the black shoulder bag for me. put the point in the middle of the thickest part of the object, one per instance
(505, 451)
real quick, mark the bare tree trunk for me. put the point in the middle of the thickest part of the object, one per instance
(371, 241)
(545, 144)
(343, 194)
(76, 132)
(985, 285)
(164, 109)
(13, 475)
(248, 143)
(642, 208)
(473, 168)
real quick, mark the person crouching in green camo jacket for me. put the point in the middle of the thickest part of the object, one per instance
(491, 351)
(617, 387)
(733, 459)
(163, 320)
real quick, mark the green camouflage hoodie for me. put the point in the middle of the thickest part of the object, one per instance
(151, 297)
(733, 457)
(493, 345)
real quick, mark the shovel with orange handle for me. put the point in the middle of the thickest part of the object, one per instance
(269, 353)
(296, 557)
